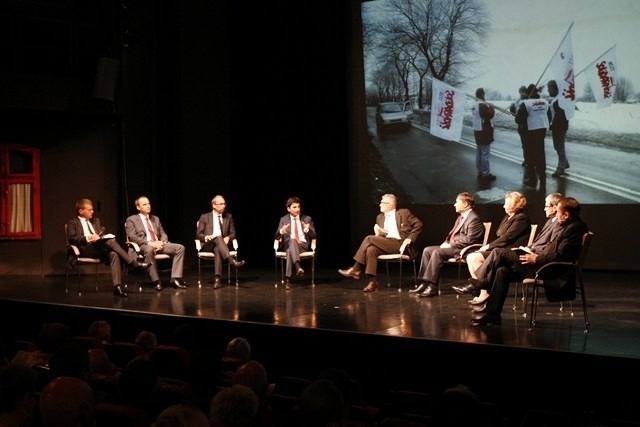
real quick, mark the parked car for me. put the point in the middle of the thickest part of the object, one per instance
(393, 115)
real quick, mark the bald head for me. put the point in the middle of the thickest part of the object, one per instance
(66, 402)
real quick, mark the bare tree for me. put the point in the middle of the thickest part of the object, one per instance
(588, 94)
(624, 90)
(440, 38)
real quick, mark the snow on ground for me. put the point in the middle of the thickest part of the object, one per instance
(618, 118)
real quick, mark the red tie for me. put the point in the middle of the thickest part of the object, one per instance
(295, 230)
(151, 232)
(454, 230)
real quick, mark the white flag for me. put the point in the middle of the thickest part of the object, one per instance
(563, 72)
(447, 111)
(602, 76)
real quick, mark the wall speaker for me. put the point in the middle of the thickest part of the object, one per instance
(104, 86)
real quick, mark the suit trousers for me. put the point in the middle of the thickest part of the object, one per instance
(433, 258)
(371, 247)
(220, 249)
(113, 251)
(174, 250)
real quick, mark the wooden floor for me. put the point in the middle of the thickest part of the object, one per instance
(338, 304)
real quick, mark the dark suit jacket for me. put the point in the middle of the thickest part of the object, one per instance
(471, 232)
(205, 226)
(567, 244)
(137, 234)
(548, 232)
(75, 231)
(286, 220)
(409, 226)
(512, 232)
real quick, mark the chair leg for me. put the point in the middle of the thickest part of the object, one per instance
(584, 301)
(415, 275)
(313, 272)
(386, 263)
(275, 272)
(79, 291)
(199, 273)
(400, 277)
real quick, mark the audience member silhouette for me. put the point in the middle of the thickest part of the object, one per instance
(456, 408)
(101, 330)
(321, 403)
(67, 402)
(181, 415)
(51, 336)
(204, 377)
(148, 341)
(235, 406)
(18, 403)
(139, 384)
(253, 375)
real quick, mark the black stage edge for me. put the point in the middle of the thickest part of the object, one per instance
(387, 339)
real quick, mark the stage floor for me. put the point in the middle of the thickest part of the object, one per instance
(337, 303)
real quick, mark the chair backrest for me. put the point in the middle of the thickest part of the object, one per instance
(586, 242)
(487, 230)
(532, 235)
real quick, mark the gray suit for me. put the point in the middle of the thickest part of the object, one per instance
(136, 233)
(433, 257)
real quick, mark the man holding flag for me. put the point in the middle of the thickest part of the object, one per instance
(559, 126)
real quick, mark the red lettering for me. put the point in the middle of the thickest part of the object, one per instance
(446, 113)
(606, 82)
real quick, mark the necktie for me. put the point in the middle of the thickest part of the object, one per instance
(152, 234)
(89, 227)
(454, 230)
(220, 223)
(295, 230)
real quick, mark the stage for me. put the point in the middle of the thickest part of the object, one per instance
(338, 304)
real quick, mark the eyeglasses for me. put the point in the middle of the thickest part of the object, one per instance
(385, 203)
(548, 206)
(220, 204)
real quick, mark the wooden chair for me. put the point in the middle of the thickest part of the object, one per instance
(210, 256)
(400, 258)
(75, 261)
(282, 256)
(556, 269)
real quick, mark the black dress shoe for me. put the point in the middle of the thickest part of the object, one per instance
(418, 289)
(430, 292)
(236, 264)
(177, 284)
(300, 272)
(118, 291)
(466, 289)
(217, 283)
(287, 283)
(158, 286)
(487, 319)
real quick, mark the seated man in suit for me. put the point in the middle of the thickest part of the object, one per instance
(502, 268)
(85, 232)
(467, 230)
(295, 232)
(216, 230)
(393, 228)
(146, 231)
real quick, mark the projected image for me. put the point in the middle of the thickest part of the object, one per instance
(502, 95)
